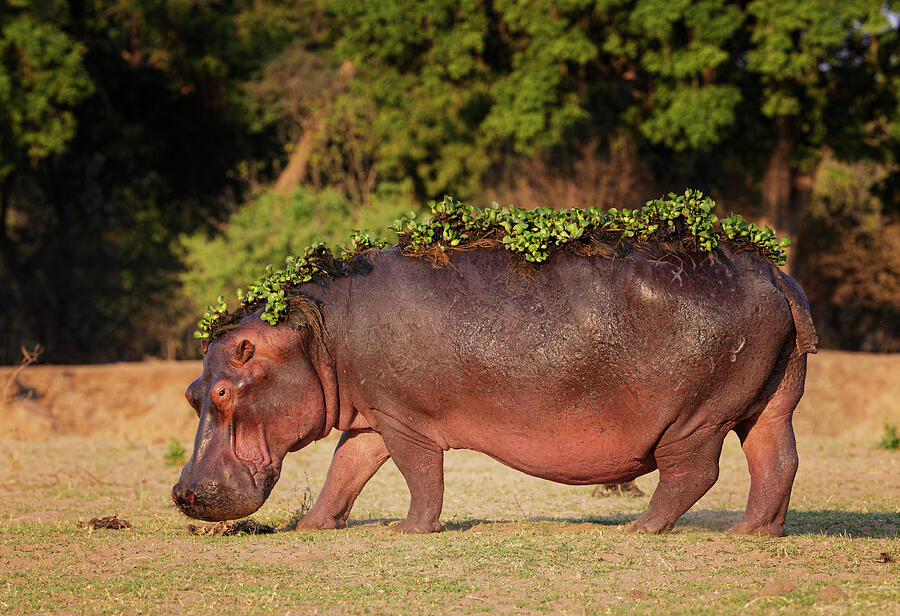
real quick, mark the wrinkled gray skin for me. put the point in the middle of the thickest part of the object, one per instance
(590, 370)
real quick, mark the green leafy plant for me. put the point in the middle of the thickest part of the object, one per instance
(535, 233)
(686, 219)
(175, 455)
(891, 438)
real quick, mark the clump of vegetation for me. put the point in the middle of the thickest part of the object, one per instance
(175, 455)
(687, 220)
(315, 262)
(891, 438)
(536, 233)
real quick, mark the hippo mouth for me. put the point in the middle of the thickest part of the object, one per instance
(228, 477)
(249, 445)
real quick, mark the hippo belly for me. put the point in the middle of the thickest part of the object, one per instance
(585, 449)
(576, 384)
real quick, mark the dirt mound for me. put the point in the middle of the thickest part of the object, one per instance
(847, 394)
(113, 522)
(129, 401)
(230, 529)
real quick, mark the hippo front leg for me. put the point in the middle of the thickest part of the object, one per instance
(357, 456)
(421, 462)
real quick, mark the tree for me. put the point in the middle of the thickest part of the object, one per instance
(42, 79)
(125, 124)
(770, 84)
(459, 86)
(764, 87)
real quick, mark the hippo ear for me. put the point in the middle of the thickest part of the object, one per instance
(244, 351)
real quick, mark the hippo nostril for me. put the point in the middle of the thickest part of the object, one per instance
(190, 496)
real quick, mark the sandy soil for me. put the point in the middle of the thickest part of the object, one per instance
(129, 401)
(847, 394)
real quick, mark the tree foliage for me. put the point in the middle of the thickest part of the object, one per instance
(267, 229)
(767, 85)
(125, 125)
(42, 77)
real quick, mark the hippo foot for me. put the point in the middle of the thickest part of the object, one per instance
(749, 528)
(405, 527)
(319, 523)
(647, 526)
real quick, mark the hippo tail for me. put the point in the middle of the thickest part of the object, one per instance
(807, 339)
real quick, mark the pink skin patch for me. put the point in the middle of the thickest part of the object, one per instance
(250, 447)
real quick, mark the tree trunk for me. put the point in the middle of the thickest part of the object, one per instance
(778, 178)
(785, 192)
(8, 258)
(293, 173)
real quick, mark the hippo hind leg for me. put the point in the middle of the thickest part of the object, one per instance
(767, 438)
(688, 467)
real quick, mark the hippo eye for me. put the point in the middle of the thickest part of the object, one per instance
(222, 392)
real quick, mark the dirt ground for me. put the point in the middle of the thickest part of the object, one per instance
(90, 441)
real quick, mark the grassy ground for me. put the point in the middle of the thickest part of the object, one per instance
(514, 544)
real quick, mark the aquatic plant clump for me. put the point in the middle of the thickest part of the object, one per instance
(316, 262)
(536, 233)
(686, 220)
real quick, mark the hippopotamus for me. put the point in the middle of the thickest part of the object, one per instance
(584, 370)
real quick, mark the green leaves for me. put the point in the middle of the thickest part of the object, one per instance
(269, 292)
(534, 234)
(42, 79)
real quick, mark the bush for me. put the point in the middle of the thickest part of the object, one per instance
(849, 265)
(891, 439)
(175, 455)
(264, 231)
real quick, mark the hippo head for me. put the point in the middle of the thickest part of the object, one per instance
(260, 396)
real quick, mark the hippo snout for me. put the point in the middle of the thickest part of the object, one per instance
(193, 499)
(214, 501)
(210, 502)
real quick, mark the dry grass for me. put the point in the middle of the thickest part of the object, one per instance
(514, 544)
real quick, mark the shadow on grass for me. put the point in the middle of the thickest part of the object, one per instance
(876, 525)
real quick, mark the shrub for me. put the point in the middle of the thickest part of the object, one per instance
(891, 438)
(175, 455)
(263, 231)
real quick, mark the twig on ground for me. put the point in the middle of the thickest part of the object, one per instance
(524, 515)
(28, 358)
